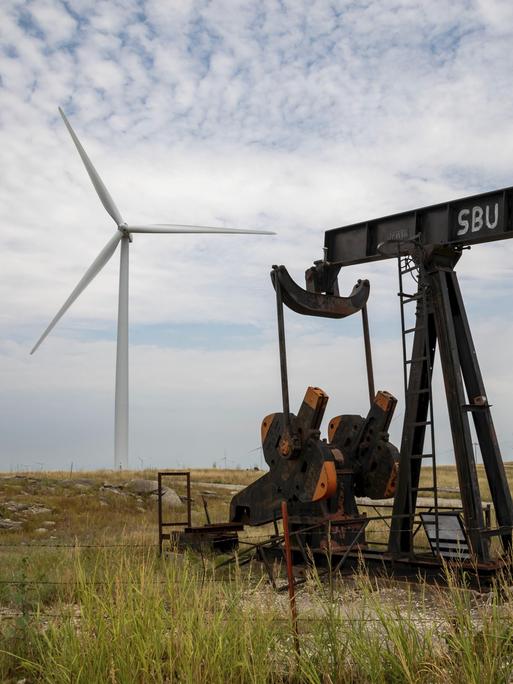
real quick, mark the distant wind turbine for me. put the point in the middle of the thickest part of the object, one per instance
(123, 236)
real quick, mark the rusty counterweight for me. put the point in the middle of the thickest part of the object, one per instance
(321, 478)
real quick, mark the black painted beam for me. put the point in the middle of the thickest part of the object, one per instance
(459, 223)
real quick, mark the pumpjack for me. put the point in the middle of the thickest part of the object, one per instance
(323, 479)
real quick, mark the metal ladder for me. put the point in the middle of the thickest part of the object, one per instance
(408, 266)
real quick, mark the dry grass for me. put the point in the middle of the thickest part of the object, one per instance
(81, 508)
(130, 617)
(122, 615)
(89, 513)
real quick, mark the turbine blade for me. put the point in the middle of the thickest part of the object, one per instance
(88, 276)
(99, 185)
(179, 228)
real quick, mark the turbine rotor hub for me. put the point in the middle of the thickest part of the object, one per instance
(123, 227)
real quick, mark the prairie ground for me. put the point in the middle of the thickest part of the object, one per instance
(84, 597)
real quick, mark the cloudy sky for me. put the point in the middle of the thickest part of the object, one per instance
(278, 114)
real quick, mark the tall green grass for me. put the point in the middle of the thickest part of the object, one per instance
(129, 618)
(149, 621)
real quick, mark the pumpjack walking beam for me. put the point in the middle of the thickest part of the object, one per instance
(435, 237)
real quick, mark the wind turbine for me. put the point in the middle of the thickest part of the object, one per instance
(122, 235)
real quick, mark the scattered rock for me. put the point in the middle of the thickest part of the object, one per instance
(139, 486)
(41, 530)
(117, 492)
(208, 492)
(103, 503)
(171, 499)
(48, 523)
(112, 490)
(16, 506)
(87, 481)
(8, 524)
(36, 509)
(220, 485)
(82, 486)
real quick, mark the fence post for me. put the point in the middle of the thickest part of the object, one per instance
(159, 508)
(290, 575)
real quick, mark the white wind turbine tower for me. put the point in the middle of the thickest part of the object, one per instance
(123, 236)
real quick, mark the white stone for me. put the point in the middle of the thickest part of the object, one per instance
(8, 524)
(170, 499)
(140, 486)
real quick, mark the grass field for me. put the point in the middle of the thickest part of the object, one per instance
(85, 598)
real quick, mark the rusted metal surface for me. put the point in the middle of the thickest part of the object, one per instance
(364, 447)
(441, 322)
(310, 303)
(218, 537)
(320, 481)
(294, 479)
(434, 237)
(287, 445)
(290, 573)
(368, 354)
(317, 479)
(221, 537)
(205, 508)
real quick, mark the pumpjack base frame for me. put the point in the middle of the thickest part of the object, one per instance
(478, 576)
(431, 569)
(217, 537)
(348, 560)
(224, 538)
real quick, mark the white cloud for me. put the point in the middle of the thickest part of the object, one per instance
(288, 116)
(53, 19)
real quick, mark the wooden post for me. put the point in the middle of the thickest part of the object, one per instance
(205, 507)
(159, 510)
(189, 502)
